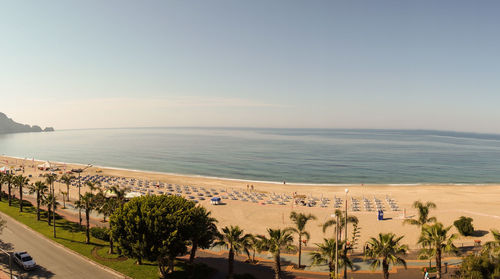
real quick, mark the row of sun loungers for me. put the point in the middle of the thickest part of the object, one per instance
(198, 193)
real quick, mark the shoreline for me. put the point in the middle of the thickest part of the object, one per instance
(138, 171)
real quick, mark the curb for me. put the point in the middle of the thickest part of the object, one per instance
(108, 269)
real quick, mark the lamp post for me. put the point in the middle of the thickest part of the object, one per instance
(345, 233)
(79, 171)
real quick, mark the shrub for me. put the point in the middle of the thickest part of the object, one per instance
(464, 226)
(100, 233)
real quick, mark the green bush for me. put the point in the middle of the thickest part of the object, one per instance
(100, 233)
(464, 226)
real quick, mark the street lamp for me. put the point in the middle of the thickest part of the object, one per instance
(345, 233)
(79, 171)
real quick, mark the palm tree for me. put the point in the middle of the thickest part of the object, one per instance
(278, 240)
(342, 222)
(93, 186)
(385, 250)
(51, 202)
(9, 179)
(21, 181)
(67, 179)
(40, 189)
(493, 247)
(50, 179)
(326, 254)
(2, 175)
(204, 230)
(435, 241)
(300, 220)
(423, 214)
(233, 239)
(87, 203)
(255, 244)
(112, 204)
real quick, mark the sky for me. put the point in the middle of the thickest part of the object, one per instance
(303, 64)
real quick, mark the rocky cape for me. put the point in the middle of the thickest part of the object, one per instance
(8, 125)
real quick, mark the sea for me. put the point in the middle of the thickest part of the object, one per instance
(307, 156)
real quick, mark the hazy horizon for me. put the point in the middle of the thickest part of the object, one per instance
(393, 65)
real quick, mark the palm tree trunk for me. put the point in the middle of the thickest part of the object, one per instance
(230, 262)
(10, 195)
(438, 263)
(385, 267)
(38, 205)
(277, 265)
(67, 191)
(20, 197)
(1, 184)
(48, 214)
(300, 249)
(331, 268)
(87, 213)
(192, 254)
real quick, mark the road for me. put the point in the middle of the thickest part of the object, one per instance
(53, 260)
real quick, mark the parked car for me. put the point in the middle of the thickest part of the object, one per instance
(24, 260)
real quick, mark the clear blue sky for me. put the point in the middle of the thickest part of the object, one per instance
(337, 64)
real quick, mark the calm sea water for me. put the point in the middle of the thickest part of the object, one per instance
(294, 155)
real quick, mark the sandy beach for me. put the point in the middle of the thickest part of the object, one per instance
(481, 202)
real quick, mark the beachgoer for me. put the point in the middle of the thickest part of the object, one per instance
(426, 274)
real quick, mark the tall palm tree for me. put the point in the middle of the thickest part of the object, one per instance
(300, 220)
(423, 214)
(50, 201)
(204, 230)
(385, 250)
(67, 179)
(342, 222)
(278, 240)
(9, 179)
(326, 254)
(113, 204)
(93, 186)
(2, 175)
(435, 241)
(40, 189)
(87, 203)
(50, 178)
(233, 239)
(493, 247)
(20, 181)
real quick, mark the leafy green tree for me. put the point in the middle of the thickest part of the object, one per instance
(87, 203)
(67, 179)
(276, 241)
(300, 220)
(325, 254)
(204, 230)
(436, 241)
(479, 266)
(41, 190)
(492, 248)
(464, 226)
(423, 214)
(235, 241)
(342, 222)
(154, 228)
(385, 250)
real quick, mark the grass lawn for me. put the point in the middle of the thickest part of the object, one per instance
(72, 236)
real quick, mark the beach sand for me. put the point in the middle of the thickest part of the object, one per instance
(481, 202)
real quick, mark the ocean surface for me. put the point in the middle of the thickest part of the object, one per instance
(315, 156)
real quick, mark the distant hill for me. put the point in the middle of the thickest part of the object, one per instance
(8, 125)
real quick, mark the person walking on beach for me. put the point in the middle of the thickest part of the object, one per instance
(426, 274)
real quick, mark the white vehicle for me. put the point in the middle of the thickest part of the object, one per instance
(24, 260)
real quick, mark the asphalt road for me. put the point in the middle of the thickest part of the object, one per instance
(53, 261)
